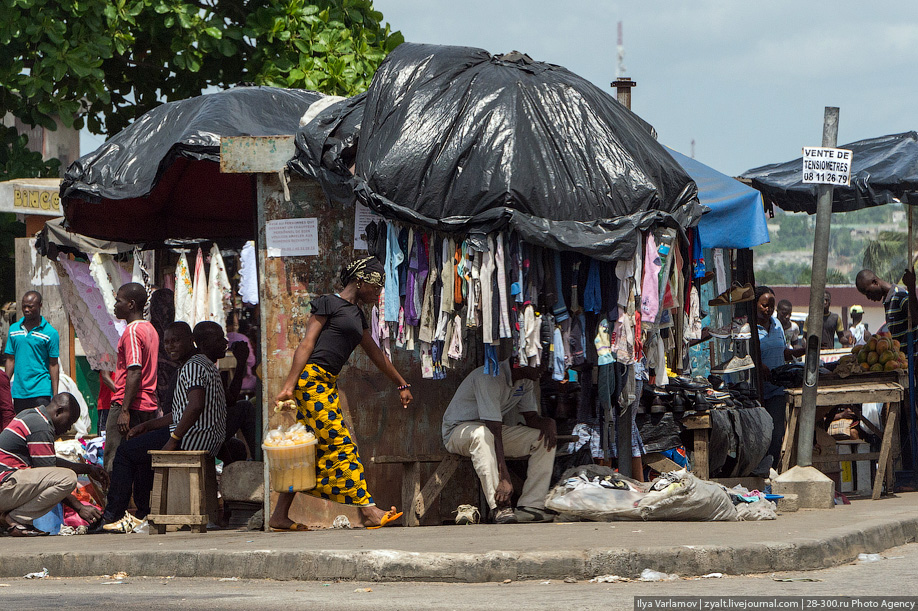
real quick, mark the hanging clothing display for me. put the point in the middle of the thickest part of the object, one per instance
(219, 290)
(199, 314)
(248, 274)
(184, 291)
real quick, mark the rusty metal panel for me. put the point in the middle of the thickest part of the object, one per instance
(369, 399)
(254, 154)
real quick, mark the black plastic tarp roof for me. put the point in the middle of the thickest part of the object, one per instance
(884, 170)
(458, 140)
(159, 178)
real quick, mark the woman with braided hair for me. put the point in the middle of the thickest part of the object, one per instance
(337, 326)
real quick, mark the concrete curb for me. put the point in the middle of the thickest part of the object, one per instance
(391, 565)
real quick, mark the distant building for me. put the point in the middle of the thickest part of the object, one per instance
(62, 143)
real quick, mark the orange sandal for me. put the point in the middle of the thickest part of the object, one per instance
(390, 516)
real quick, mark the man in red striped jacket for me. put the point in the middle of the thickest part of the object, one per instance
(32, 478)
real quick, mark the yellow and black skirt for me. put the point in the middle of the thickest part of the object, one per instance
(339, 473)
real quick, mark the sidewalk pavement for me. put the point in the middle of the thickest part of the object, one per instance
(805, 540)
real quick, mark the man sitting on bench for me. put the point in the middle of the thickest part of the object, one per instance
(473, 426)
(197, 422)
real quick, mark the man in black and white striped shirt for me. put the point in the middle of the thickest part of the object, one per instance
(197, 421)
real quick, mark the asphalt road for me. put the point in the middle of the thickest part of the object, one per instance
(894, 575)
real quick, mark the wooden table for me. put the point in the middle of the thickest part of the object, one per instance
(853, 391)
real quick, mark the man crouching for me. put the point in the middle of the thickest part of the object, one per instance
(32, 478)
(473, 426)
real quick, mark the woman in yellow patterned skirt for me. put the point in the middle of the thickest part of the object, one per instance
(336, 327)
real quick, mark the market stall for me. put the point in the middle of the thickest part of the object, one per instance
(883, 172)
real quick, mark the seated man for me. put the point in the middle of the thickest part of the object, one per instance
(32, 478)
(197, 422)
(473, 426)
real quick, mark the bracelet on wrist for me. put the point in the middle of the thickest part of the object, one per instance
(175, 437)
(403, 387)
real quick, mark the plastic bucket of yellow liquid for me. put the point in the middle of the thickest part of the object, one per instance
(292, 468)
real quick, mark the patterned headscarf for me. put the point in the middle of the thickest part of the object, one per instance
(368, 270)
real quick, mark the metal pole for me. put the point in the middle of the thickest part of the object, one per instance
(807, 421)
(910, 346)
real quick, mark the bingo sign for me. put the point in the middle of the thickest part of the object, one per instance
(826, 166)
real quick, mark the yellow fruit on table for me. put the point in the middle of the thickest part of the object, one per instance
(896, 345)
(887, 356)
(862, 356)
(872, 357)
(882, 345)
(856, 349)
(872, 344)
(865, 366)
(876, 367)
(901, 356)
(891, 365)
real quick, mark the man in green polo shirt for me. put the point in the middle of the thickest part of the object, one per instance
(32, 350)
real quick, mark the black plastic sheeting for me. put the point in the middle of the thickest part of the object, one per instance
(457, 140)
(159, 177)
(884, 170)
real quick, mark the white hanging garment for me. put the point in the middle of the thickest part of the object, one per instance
(219, 290)
(184, 291)
(248, 277)
(108, 276)
(200, 291)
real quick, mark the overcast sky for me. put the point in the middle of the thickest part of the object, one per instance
(747, 81)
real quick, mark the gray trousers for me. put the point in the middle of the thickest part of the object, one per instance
(30, 493)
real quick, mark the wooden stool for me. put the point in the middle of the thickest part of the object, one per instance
(183, 484)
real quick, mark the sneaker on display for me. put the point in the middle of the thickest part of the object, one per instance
(467, 514)
(735, 364)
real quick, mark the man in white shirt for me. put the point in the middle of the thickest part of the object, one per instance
(473, 425)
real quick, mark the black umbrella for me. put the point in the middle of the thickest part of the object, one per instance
(458, 140)
(884, 170)
(160, 177)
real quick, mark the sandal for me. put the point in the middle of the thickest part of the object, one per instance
(21, 530)
(390, 516)
(295, 527)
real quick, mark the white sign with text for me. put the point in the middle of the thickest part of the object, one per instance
(292, 237)
(363, 216)
(826, 166)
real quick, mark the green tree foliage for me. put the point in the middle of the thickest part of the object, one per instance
(887, 255)
(110, 61)
(795, 273)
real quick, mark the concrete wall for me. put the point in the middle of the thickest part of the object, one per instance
(369, 399)
(35, 273)
(843, 297)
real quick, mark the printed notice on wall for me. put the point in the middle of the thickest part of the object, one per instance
(292, 237)
(363, 216)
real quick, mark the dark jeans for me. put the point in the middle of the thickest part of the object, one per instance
(23, 404)
(241, 416)
(775, 408)
(132, 471)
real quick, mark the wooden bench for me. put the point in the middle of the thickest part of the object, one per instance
(184, 490)
(416, 499)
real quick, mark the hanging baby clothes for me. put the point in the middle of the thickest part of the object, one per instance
(248, 276)
(473, 318)
(184, 291)
(383, 326)
(219, 289)
(650, 286)
(427, 367)
(486, 277)
(455, 351)
(200, 291)
(412, 302)
(141, 276)
(693, 326)
(502, 287)
(394, 258)
(428, 314)
(559, 367)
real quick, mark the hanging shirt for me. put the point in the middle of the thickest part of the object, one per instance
(394, 258)
(184, 291)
